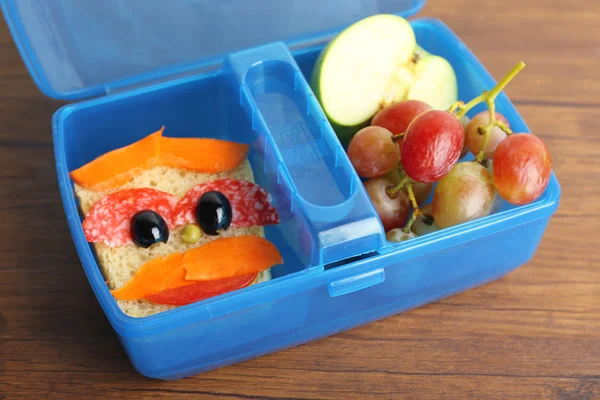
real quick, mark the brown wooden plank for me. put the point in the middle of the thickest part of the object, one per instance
(558, 40)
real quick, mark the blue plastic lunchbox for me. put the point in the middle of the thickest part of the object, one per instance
(238, 70)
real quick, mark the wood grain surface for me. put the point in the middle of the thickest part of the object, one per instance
(534, 334)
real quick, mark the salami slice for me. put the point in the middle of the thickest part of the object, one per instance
(109, 219)
(201, 290)
(249, 202)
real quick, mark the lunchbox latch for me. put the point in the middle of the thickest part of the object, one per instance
(357, 282)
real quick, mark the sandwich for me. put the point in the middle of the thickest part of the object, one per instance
(174, 221)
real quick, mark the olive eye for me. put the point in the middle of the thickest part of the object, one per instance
(147, 228)
(213, 212)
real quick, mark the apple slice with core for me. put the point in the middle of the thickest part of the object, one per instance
(363, 68)
(434, 82)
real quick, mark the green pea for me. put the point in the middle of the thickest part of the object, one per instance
(191, 233)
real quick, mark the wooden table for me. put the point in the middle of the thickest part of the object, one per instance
(533, 334)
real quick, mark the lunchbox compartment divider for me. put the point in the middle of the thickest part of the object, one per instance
(324, 195)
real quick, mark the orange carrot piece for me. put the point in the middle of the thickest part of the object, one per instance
(219, 259)
(201, 154)
(155, 276)
(232, 256)
(118, 166)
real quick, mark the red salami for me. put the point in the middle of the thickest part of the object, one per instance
(109, 219)
(249, 203)
(201, 290)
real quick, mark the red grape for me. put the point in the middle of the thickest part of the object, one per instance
(392, 212)
(474, 140)
(396, 117)
(432, 145)
(372, 152)
(522, 167)
(466, 193)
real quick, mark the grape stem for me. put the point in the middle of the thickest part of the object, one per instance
(504, 128)
(489, 97)
(398, 137)
(455, 106)
(415, 212)
(392, 191)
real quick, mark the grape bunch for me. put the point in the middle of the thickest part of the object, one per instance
(410, 149)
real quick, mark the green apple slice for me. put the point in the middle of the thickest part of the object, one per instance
(434, 82)
(398, 87)
(360, 69)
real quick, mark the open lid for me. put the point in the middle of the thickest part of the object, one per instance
(84, 48)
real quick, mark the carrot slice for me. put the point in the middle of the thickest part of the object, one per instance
(118, 166)
(201, 154)
(201, 290)
(219, 259)
(155, 276)
(232, 256)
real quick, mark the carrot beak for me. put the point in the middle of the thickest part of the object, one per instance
(219, 259)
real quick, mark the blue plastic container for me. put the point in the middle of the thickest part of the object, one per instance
(200, 77)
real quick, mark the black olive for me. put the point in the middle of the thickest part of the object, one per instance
(213, 212)
(147, 228)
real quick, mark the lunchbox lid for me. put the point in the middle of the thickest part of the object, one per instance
(76, 49)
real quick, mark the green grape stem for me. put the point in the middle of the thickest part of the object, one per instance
(412, 198)
(504, 128)
(416, 212)
(455, 106)
(489, 97)
(392, 191)
(398, 137)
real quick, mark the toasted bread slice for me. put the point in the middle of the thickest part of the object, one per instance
(119, 264)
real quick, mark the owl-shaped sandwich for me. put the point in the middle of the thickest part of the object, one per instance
(175, 220)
